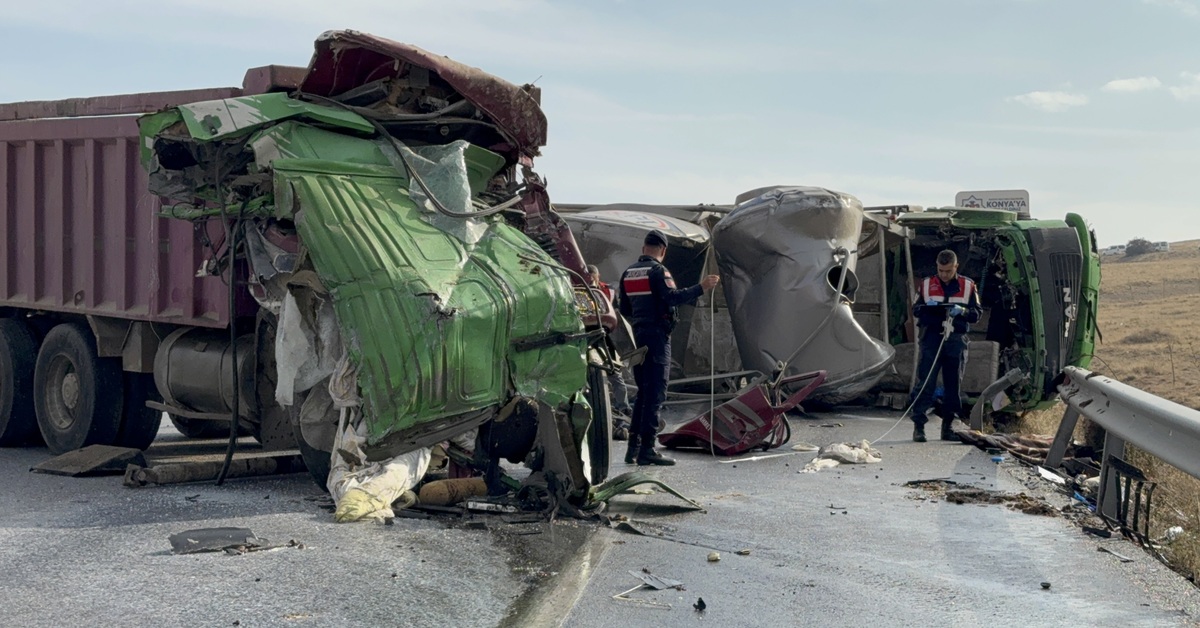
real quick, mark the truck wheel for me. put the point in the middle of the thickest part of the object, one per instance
(77, 395)
(139, 424)
(316, 459)
(600, 430)
(18, 354)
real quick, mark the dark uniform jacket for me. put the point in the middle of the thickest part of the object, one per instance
(958, 291)
(649, 295)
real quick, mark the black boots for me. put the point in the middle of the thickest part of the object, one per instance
(631, 450)
(947, 434)
(919, 433)
(647, 456)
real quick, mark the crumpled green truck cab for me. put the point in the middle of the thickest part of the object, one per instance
(1039, 284)
(446, 319)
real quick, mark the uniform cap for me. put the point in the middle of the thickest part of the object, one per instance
(655, 238)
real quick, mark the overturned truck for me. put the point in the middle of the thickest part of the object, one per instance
(813, 280)
(356, 257)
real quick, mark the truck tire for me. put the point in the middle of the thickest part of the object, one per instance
(600, 431)
(139, 424)
(315, 459)
(77, 395)
(18, 354)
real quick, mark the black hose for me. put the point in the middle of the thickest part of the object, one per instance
(231, 238)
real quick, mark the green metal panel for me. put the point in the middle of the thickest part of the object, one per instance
(219, 119)
(1022, 275)
(1089, 303)
(431, 320)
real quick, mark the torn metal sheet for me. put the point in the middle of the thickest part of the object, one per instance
(92, 460)
(658, 583)
(345, 60)
(462, 308)
(627, 481)
(782, 257)
(213, 540)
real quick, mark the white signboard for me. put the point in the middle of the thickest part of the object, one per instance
(1011, 200)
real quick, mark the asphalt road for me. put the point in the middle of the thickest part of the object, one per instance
(845, 546)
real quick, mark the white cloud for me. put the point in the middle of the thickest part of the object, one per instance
(1051, 101)
(1189, 89)
(1139, 84)
(1183, 6)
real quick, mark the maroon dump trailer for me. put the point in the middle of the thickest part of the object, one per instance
(95, 283)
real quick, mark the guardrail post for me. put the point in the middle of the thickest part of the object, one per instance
(1108, 499)
(1058, 448)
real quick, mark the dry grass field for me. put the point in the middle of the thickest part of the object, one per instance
(1149, 305)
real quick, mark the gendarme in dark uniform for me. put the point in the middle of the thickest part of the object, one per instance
(648, 298)
(946, 295)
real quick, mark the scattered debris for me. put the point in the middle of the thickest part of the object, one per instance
(92, 460)
(641, 528)
(214, 540)
(699, 605)
(804, 446)
(280, 462)
(830, 425)
(817, 464)
(930, 481)
(490, 507)
(1100, 532)
(714, 557)
(626, 481)
(948, 490)
(649, 581)
(451, 491)
(753, 458)
(838, 453)
(1045, 585)
(1051, 476)
(744, 552)
(1120, 557)
(657, 583)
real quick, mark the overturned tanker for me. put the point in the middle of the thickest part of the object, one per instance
(787, 260)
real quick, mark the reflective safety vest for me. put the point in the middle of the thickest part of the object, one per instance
(931, 288)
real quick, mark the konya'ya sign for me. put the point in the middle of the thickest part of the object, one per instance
(1011, 200)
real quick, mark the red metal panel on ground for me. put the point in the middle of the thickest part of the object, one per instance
(81, 233)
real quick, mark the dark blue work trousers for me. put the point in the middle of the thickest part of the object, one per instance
(950, 364)
(651, 377)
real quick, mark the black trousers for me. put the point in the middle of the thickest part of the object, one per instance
(950, 365)
(651, 377)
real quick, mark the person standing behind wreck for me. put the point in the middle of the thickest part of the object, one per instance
(947, 295)
(648, 301)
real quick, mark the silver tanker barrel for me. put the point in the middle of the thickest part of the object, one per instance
(782, 257)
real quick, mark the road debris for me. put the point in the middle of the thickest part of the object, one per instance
(948, 490)
(228, 540)
(277, 463)
(652, 582)
(1045, 585)
(805, 446)
(838, 453)
(1121, 557)
(92, 460)
(754, 458)
(626, 481)
(744, 552)
(714, 557)
(699, 605)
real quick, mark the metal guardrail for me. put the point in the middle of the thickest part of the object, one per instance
(1162, 428)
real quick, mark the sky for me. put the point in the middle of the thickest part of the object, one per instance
(1090, 105)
